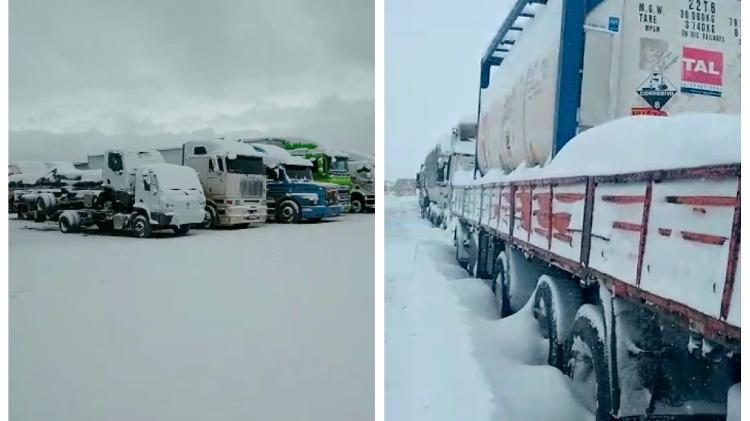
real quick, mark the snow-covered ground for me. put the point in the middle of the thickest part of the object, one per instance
(266, 323)
(447, 354)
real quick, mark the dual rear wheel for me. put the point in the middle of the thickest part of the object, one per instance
(574, 333)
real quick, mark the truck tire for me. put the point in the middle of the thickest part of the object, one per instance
(46, 203)
(69, 222)
(212, 218)
(555, 303)
(357, 205)
(288, 212)
(461, 259)
(181, 230)
(586, 362)
(141, 227)
(500, 286)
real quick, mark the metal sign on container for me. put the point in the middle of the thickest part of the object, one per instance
(702, 71)
(614, 24)
(657, 90)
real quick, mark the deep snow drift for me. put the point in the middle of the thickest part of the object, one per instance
(268, 323)
(447, 354)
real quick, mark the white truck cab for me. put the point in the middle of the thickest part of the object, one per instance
(169, 194)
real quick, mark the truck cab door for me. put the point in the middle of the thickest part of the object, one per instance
(147, 191)
(215, 176)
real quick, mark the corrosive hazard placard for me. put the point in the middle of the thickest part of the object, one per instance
(657, 90)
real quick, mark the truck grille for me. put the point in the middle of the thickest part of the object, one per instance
(343, 195)
(251, 188)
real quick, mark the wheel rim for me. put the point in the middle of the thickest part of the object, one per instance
(64, 226)
(209, 221)
(287, 213)
(140, 228)
(357, 206)
(582, 373)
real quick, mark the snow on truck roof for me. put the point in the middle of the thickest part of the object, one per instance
(225, 146)
(173, 176)
(276, 155)
(638, 143)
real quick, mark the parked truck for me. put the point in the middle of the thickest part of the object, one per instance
(452, 159)
(329, 166)
(233, 179)
(137, 192)
(627, 238)
(291, 194)
(362, 175)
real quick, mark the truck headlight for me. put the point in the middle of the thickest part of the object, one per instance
(309, 198)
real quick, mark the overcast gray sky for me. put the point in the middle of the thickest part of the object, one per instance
(432, 54)
(92, 69)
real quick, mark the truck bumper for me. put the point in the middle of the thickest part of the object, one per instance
(370, 201)
(321, 211)
(235, 215)
(196, 216)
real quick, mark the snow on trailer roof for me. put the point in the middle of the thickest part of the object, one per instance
(637, 144)
(336, 153)
(26, 167)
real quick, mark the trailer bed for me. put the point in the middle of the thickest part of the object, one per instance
(665, 238)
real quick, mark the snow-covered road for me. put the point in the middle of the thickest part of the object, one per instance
(447, 355)
(267, 323)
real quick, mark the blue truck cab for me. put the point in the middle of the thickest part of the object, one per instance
(291, 196)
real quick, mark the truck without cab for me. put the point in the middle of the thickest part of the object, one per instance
(137, 192)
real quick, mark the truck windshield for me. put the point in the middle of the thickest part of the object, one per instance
(340, 164)
(364, 173)
(246, 165)
(299, 172)
(177, 178)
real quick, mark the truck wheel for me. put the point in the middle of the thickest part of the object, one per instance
(288, 212)
(555, 303)
(358, 206)
(181, 230)
(586, 362)
(212, 218)
(141, 227)
(500, 286)
(69, 222)
(461, 258)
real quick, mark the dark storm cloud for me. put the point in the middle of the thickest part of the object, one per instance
(146, 67)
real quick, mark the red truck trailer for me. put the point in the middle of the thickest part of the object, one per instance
(627, 238)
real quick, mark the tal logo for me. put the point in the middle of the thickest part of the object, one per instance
(702, 71)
